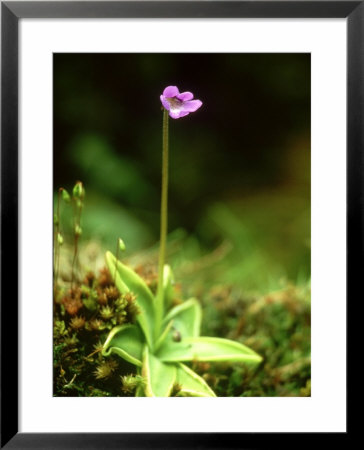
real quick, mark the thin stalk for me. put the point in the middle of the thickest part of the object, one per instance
(77, 223)
(163, 227)
(56, 243)
(117, 260)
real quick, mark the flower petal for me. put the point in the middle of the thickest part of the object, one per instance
(183, 113)
(176, 114)
(165, 102)
(185, 96)
(192, 105)
(171, 91)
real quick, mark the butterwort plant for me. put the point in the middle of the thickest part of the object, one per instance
(165, 337)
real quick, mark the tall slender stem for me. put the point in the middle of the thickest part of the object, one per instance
(164, 224)
(78, 205)
(56, 242)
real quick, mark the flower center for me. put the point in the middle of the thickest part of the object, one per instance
(174, 102)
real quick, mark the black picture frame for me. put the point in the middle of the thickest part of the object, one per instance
(11, 12)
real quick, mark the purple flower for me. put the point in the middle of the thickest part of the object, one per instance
(178, 104)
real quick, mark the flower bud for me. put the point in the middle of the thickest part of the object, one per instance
(121, 245)
(59, 239)
(78, 190)
(78, 230)
(65, 196)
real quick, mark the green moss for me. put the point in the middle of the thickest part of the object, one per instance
(277, 326)
(82, 319)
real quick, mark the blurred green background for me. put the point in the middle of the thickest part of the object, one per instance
(239, 195)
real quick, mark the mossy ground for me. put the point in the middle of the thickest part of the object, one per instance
(83, 317)
(276, 325)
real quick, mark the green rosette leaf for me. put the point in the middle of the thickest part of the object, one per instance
(164, 335)
(159, 376)
(206, 349)
(192, 385)
(139, 392)
(126, 341)
(186, 318)
(127, 280)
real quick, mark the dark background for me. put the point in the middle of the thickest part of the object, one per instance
(239, 197)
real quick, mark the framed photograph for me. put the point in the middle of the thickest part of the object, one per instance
(181, 214)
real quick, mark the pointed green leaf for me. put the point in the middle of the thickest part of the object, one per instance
(160, 377)
(206, 349)
(127, 280)
(192, 385)
(163, 336)
(186, 318)
(127, 341)
(139, 392)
